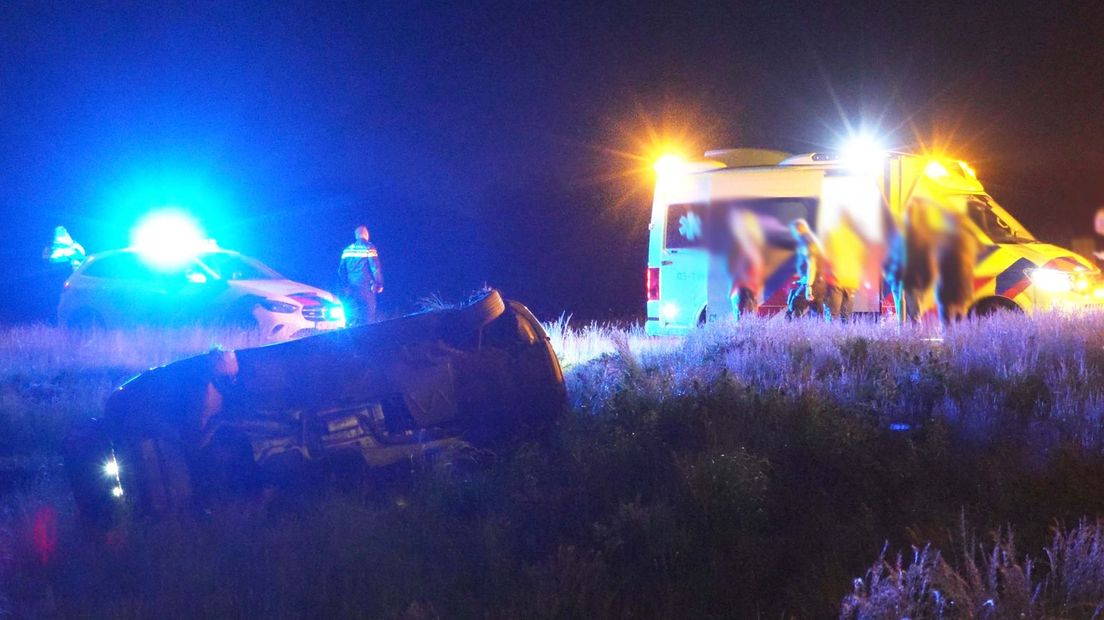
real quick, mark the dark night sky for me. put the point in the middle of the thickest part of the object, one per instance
(480, 144)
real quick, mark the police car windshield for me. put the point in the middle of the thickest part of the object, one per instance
(228, 266)
(995, 222)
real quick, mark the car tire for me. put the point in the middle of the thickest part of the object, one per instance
(480, 312)
(155, 475)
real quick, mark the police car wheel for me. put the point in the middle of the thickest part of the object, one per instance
(240, 316)
(85, 319)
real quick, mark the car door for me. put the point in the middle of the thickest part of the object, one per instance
(128, 291)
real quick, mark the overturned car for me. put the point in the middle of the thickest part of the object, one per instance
(182, 433)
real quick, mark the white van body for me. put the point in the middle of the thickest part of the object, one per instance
(686, 288)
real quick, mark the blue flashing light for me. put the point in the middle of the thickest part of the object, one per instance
(168, 238)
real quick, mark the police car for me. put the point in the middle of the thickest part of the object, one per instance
(121, 288)
(868, 189)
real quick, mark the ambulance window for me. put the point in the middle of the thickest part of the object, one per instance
(996, 222)
(684, 226)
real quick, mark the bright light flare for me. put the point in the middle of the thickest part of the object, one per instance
(116, 491)
(863, 152)
(669, 164)
(335, 312)
(936, 170)
(111, 468)
(168, 238)
(1052, 280)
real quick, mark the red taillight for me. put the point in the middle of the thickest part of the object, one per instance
(651, 283)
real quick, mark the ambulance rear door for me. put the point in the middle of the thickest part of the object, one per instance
(851, 225)
(682, 260)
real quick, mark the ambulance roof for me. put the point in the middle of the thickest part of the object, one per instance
(946, 172)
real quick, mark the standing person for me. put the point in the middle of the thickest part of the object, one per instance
(955, 254)
(846, 248)
(361, 277)
(64, 256)
(905, 303)
(810, 287)
(63, 250)
(746, 263)
(918, 271)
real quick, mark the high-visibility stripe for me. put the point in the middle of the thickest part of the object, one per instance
(1013, 280)
(354, 251)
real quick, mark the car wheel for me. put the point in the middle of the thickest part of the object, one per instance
(155, 475)
(480, 311)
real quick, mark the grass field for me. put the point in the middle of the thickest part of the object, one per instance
(769, 469)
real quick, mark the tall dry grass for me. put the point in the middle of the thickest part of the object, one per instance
(748, 470)
(42, 350)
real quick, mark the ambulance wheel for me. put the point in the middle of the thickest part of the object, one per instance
(991, 306)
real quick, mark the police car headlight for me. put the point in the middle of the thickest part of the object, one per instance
(335, 313)
(279, 307)
(1051, 280)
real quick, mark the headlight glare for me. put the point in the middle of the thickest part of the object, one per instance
(1051, 280)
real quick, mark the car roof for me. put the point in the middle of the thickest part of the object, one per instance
(116, 252)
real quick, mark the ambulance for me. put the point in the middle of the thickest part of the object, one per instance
(859, 193)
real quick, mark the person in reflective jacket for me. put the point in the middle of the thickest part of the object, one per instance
(956, 251)
(63, 256)
(361, 277)
(746, 258)
(809, 290)
(63, 250)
